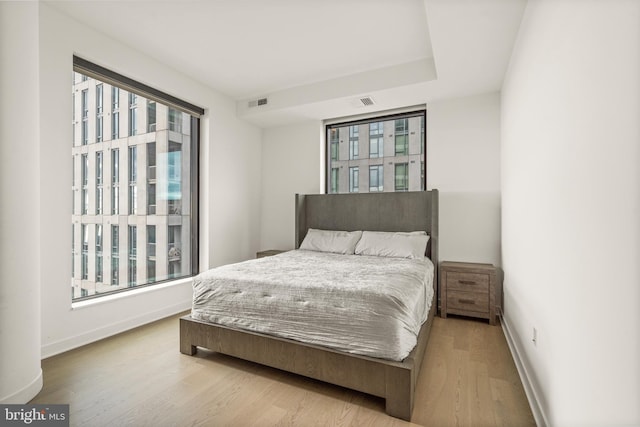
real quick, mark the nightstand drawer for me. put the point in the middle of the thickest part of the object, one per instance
(468, 282)
(468, 301)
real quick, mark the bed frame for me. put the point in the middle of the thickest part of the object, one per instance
(393, 381)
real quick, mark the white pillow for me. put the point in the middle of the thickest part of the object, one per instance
(339, 242)
(388, 244)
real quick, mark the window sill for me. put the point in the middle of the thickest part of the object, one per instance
(133, 292)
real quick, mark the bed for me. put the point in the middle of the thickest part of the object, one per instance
(374, 373)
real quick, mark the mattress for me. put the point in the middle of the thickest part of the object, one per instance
(367, 305)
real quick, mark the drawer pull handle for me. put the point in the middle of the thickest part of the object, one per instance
(467, 282)
(467, 301)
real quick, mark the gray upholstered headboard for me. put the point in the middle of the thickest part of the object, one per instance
(401, 211)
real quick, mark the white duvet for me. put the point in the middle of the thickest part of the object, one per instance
(368, 305)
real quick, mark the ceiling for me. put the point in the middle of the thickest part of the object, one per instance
(314, 59)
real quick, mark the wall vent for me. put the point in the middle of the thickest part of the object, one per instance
(258, 102)
(367, 101)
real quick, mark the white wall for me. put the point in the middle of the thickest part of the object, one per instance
(230, 202)
(20, 373)
(463, 162)
(291, 163)
(571, 209)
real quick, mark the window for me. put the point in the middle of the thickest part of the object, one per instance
(395, 151)
(157, 183)
(98, 252)
(334, 141)
(151, 253)
(354, 173)
(151, 116)
(175, 120)
(99, 183)
(133, 114)
(334, 179)
(401, 177)
(85, 117)
(99, 105)
(133, 256)
(376, 178)
(174, 178)
(115, 181)
(402, 137)
(376, 140)
(115, 254)
(85, 183)
(174, 253)
(115, 114)
(353, 142)
(133, 184)
(151, 178)
(85, 253)
(73, 251)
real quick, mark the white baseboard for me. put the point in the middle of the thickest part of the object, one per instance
(529, 389)
(112, 329)
(25, 394)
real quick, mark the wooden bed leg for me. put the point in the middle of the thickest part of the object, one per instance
(399, 393)
(185, 341)
(188, 349)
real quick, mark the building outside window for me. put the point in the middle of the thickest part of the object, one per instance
(402, 137)
(354, 142)
(99, 253)
(115, 112)
(164, 162)
(85, 117)
(115, 181)
(175, 120)
(151, 116)
(115, 255)
(174, 178)
(151, 253)
(99, 182)
(133, 180)
(354, 179)
(132, 275)
(73, 251)
(99, 108)
(133, 114)
(334, 179)
(376, 178)
(335, 143)
(376, 140)
(85, 183)
(392, 154)
(401, 177)
(174, 233)
(85, 253)
(151, 178)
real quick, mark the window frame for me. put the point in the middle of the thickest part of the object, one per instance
(379, 117)
(120, 82)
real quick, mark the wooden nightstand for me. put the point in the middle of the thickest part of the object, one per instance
(469, 289)
(268, 252)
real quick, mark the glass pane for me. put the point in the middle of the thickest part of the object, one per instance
(385, 144)
(130, 188)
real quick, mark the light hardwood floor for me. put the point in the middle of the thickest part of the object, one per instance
(139, 378)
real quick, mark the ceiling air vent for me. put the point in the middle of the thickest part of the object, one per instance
(367, 101)
(258, 102)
